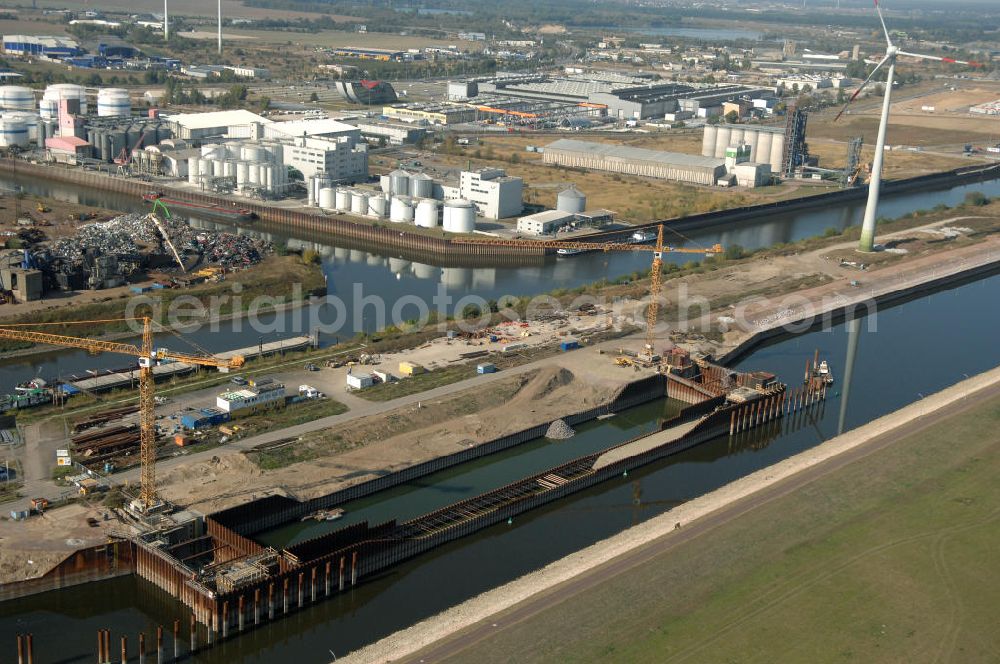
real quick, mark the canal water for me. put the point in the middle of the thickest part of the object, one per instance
(361, 280)
(898, 356)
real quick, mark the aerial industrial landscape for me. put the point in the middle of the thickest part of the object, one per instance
(424, 332)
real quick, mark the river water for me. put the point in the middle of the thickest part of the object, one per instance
(369, 285)
(899, 355)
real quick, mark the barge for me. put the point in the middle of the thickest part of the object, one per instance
(232, 214)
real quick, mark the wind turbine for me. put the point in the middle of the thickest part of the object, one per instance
(891, 52)
(166, 22)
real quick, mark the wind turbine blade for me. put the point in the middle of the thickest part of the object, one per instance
(878, 10)
(862, 86)
(951, 61)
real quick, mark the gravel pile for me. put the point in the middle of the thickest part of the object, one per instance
(559, 430)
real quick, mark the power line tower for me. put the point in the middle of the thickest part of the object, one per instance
(795, 152)
(853, 161)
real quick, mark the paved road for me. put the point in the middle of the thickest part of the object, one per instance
(553, 597)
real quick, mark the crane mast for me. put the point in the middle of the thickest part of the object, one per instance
(148, 357)
(656, 276)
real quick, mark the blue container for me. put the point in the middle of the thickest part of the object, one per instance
(192, 421)
(569, 345)
(494, 338)
(486, 368)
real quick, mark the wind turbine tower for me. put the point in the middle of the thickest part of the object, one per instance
(867, 242)
(220, 27)
(166, 22)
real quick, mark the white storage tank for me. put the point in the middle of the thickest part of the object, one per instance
(193, 170)
(708, 141)
(253, 153)
(268, 177)
(242, 173)
(59, 91)
(205, 167)
(722, 137)
(377, 205)
(359, 202)
(13, 133)
(426, 215)
(343, 199)
(571, 200)
(399, 183)
(113, 103)
(229, 169)
(218, 168)
(253, 174)
(761, 152)
(327, 198)
(385, 184)
(16, 98)
(421, 186)
(31, 120)
(401, 209)
(209, 151)
(777, 153)
(459, 216)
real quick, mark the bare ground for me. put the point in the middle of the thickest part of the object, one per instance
(334, 458)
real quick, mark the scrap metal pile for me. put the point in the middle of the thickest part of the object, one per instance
(104, 254)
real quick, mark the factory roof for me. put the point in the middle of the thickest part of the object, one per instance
(549, 215)
(217, 119)
(317, 127)
(637, 154)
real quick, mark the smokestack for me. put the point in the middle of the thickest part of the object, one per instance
(166, 22)
(220, 27)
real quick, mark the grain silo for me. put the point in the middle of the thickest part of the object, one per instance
(571, 200)
(421, 186)
(708, 140)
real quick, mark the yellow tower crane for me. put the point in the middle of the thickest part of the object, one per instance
(148, 358)
(652, 312)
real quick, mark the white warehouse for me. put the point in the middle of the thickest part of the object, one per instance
(495, 194)
(635, 161)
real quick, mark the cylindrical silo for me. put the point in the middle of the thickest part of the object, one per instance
(193, 170)
(401, 209)
(426, 215)
(16, 98)
(399, 183)
(722, 141)
(421, 186)
(253, 153)
(59, 91)
(242, 173)
(113, 103)
(229, 169)
(708, 141)
(343, 199)
(209, 150)
(253, 174)
(571, 200)
(327, 198)
(777, 152)
(459, 216)
(269, 177)
(359, 202)
(48, 109)
(735, 136)
(218, 167)
(377, 205)
(385, 184)
(13, 133)
(761, 154)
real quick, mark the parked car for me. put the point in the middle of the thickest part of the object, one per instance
(238, 380)
(311, 367)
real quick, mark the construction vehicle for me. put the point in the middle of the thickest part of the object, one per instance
(652, 312)
(148, 357)
(42, 208)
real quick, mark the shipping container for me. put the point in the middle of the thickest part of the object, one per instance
(486, 368)
(569, 345)
(410, 369)
(359, 382)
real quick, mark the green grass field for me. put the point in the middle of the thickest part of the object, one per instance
(891, 559)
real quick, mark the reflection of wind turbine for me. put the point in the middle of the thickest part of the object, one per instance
(853, 332)
(891, 52)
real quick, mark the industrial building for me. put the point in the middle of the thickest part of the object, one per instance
(46, 46)
(394, 133)
(380, 54)
(440, 114)
(196, 126)
(767, 144)
(635, 161)
(495, 194)
(258, 395)
(546, 222)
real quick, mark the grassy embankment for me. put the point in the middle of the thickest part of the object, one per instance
(887, 559)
